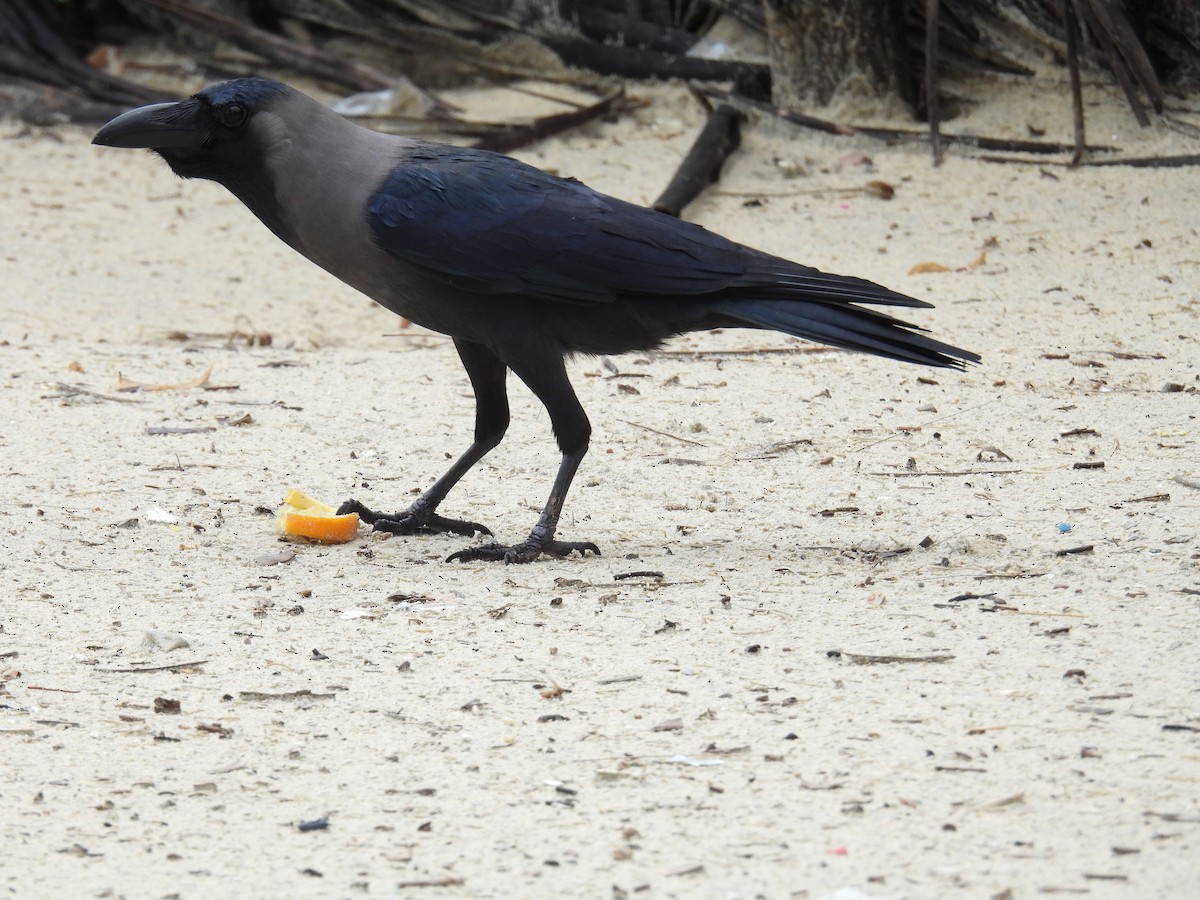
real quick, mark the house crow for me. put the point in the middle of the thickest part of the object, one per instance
(520, 268)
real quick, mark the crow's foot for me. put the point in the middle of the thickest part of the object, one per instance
(417, 519)
(526, 551)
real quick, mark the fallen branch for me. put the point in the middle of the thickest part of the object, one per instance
(1150, 162)
(901, 135)
(509, 137)
(701, 167)
(283, 51)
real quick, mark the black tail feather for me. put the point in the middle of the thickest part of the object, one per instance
(842, 324)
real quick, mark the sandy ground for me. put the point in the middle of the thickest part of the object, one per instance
(724, 729)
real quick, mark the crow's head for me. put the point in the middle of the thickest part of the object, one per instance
(218, 134)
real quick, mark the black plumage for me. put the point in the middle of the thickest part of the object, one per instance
(521, 268)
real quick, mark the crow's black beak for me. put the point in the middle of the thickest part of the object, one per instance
(161, 126)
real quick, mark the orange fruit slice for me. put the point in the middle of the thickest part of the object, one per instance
(302, 516)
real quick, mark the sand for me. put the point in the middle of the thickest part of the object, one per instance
(869, 662)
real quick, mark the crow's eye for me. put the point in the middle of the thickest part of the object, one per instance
(232, 115)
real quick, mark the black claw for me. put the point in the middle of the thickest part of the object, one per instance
(398, 525)
(565, 548)
(412, 521)
(484, 552)
(367, 516)
(459, 526)
(403, 523)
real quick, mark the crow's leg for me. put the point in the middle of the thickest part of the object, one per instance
(546, 375)
(487, 374)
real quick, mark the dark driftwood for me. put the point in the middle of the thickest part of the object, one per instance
(31, 50)
(720, 136)
(509, 137)
(280, 50)
(980, 142)
(903, 135)
(1150, 162)
(1134, 162)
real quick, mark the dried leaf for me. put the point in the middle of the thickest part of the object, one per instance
(977, 261)
(125, 385)
(274, 559)
(927, 267)
(880, 189)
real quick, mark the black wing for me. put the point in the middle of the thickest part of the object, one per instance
(495, 225)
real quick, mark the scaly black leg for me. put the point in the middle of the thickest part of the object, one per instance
(546, 375)
(487, 374)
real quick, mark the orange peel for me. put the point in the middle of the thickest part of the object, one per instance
(302, 516)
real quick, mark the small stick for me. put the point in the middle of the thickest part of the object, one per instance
(1072, 551)
(947, 474)
(665, 434)
(970, 596)
(833, 511)
(67, 391)
(1136, 162)
(183, 665)
(1151, 162)
(164, 429)
(747, 351)
(866, 659)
